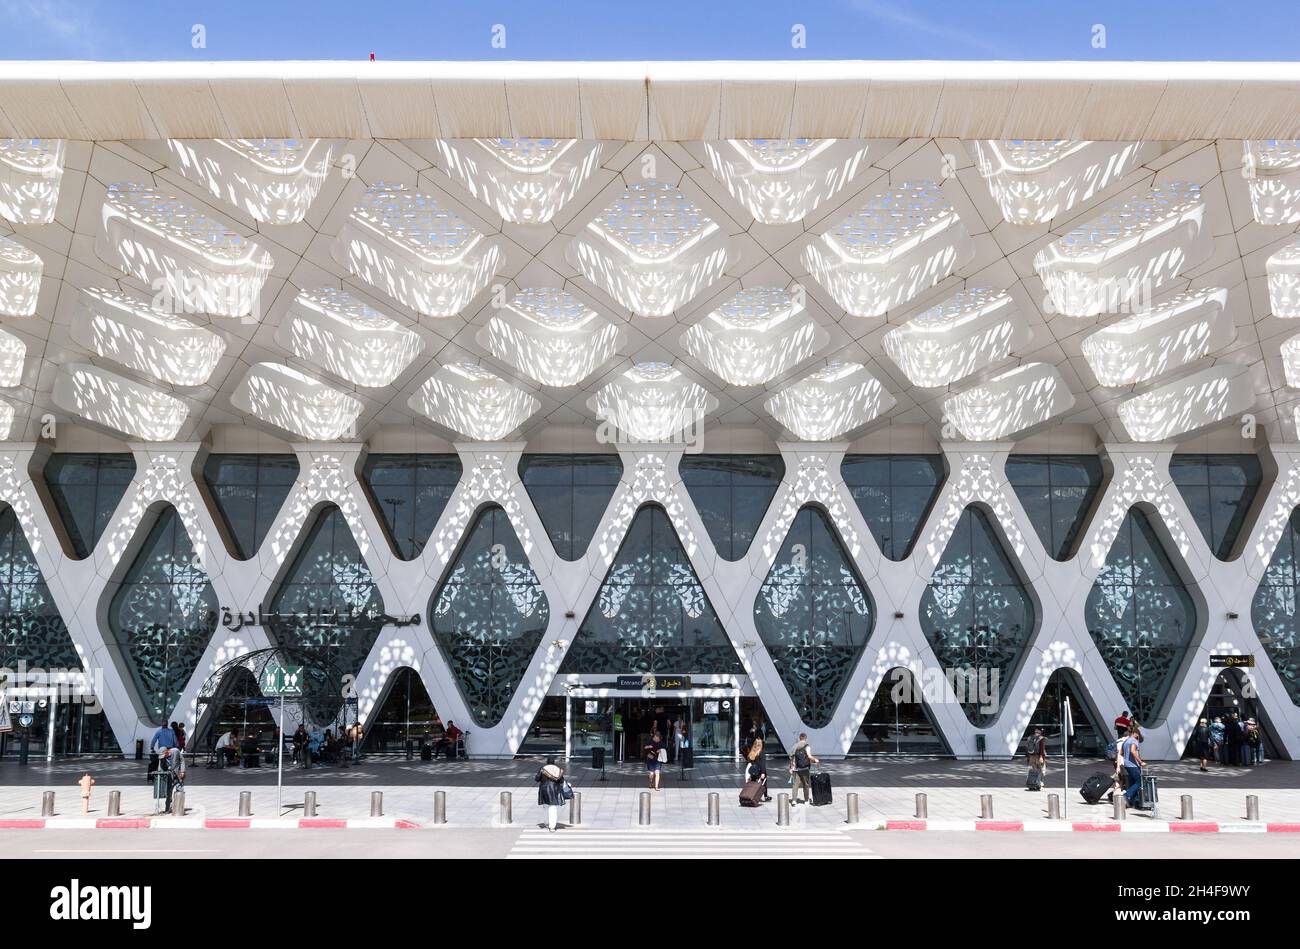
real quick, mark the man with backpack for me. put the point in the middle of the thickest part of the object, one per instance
(801, 761)
(1037, 752)
(1131, 761)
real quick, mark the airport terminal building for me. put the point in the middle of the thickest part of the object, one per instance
(893, 403)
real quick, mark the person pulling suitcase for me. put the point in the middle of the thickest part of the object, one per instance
(1036, 749)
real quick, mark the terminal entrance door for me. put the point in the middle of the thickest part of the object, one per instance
(622, 724)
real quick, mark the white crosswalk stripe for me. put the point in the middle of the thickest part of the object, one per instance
(577, 844)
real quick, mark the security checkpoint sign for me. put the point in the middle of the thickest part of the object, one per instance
(282, 680)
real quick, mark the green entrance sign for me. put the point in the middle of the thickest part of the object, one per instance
(282, 680)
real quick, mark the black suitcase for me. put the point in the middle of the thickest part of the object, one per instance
(686, 757)
(1095, 787)
(751, 794)
(821, 788)
(426, 751)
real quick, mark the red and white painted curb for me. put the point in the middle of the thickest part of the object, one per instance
(208, 823)
(1127, 826)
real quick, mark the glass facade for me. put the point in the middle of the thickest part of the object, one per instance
(410, 493)
(898, 721)
(248, 492)
(570, 493)
(162, 615)
(31, 628)
(732, 493)
(86, 489)
(815, 615)
(977, 615)
(1219, 490)
(1141, 616)
(1090, 736)
(489, 615)
(1056, 492)
(327, 609)
(894, 493)
(651, 613)
(1273, 612)
(407, 714)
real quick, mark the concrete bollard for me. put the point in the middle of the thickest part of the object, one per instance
(986, 807)
(309, 804)
(47, 804)
(1186, 802)
(1053, 807)
(922, 806)
(1121, 807)
(575, 809)
(643, 811)
(715, 809)
(507, 807)
(783, 810)
(376, 803)
(440, 807)
(245, 803)
(114, 803)
(1252, 807)
(852, 805)
(178, 804)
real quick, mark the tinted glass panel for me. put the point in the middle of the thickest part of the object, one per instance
(732, 493)
(894, 493)
(86, 489)
(489, 616)
(31, 628)
(1141, 616)
(248, 492)
(1056, 492)
(410, 493)
(1274, 613)
(1219, 490)
(570, 493)
(815, 616)
(163, 615)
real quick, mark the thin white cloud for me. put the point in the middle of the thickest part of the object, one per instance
(69, 23)
(906, 19)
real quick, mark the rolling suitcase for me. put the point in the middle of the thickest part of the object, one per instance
(1034, 780)
(751, 794)
(1095, 787)
(821, 789)
(1150, 795)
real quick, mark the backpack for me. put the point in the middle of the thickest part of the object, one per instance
(755, 749)
(801, 762)
(1112, 750)
(1034, 746)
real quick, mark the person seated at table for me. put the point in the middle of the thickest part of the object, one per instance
(448, 741)
(330, 748)
(227, 747)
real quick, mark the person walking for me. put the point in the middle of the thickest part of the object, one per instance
(1037, 754)
(1203, 743)
(1254, 742)
(755, 754)
(1233, 739)
(1122, 722)
(655, 755)
(551, 790)
(1216, 737)
(801, 761)
(1132, 763)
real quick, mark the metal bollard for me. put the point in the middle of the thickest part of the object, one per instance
(575, 809)
(922, 806)
(47, 804)
(1186, 801)
(376, 803)
(245, 803)
(643, 812)
(986, 807)
(1121, 807)
(114, 803)
(1053, 807)
(715, 809)
(1252, 807)
(783, 810)
(309, 804)
(507, 807)
(178, 804)
(852, 816)
(440, 807)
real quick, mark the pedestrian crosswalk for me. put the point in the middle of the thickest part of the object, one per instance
(574, 843)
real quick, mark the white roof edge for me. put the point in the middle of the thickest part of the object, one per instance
(639, 99)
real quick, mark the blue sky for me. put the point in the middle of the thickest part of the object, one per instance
(650, 29)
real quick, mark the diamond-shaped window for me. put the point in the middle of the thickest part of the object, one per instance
(570, 493)
(86, 489)
(163, 615)
(1219, 491)
(894, 494)
(977, 616)
(732, 493)
(1273, 612)
(815, 616)
(489, 616)
(651, 613)
(410, 492)
(1056, 492)
(1141, 616)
